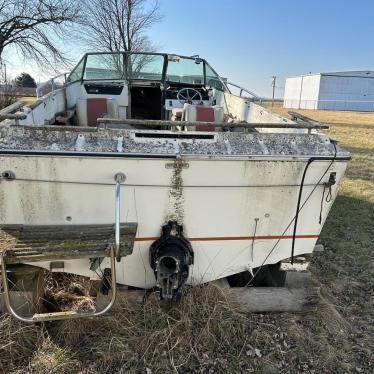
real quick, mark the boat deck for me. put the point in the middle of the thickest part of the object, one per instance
(55, 140)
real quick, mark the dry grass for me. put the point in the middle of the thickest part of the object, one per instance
(28, 99)
(206, 334)
(346, 269)
(328, 116)
(17, 344)
(353, 130)
(7, 97)
(68, 292)
(52, 358)
(10, 97)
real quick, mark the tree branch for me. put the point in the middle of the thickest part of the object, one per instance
(120, 25)
(33, 25)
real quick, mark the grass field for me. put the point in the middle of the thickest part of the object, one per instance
(28, 99)
(207, 335)
(346, 269)
(8, 99)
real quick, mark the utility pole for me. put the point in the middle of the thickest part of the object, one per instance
(274, 77)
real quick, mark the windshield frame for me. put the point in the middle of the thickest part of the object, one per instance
(126, 78)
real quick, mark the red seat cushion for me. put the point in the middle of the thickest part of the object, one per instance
(204, 114)
(96, 108)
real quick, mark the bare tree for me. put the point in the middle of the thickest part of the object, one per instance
(120, 25)
(34, 27)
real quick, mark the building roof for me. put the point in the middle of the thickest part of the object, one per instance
(354, 73)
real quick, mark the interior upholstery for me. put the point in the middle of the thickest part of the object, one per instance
(96, 108)
(202, 113)
(90, 109)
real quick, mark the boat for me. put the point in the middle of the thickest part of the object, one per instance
(149, 168)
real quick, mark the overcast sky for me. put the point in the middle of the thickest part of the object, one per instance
(248, 41)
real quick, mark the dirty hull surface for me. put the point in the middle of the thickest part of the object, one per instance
(235, 212)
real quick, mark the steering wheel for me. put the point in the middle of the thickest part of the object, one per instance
(187, 95)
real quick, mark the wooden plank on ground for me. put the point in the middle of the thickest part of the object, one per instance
(274, 299)
(255, 299)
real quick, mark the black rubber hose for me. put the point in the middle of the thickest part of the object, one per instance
(312, 159)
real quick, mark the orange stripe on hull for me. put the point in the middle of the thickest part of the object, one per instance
(228, 238)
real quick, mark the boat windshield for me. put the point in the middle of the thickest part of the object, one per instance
(146, 66)
(185, 70)
(104, 66)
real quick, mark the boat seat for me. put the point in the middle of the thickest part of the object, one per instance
(203, 113)
(90, 109)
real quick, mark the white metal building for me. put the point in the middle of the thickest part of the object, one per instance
(349, 90)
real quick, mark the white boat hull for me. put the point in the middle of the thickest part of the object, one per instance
(236, 213)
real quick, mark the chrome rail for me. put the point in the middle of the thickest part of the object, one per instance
(114, 255)
(49, 82)
(242, 89)
(43, 317)
(119, 178)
